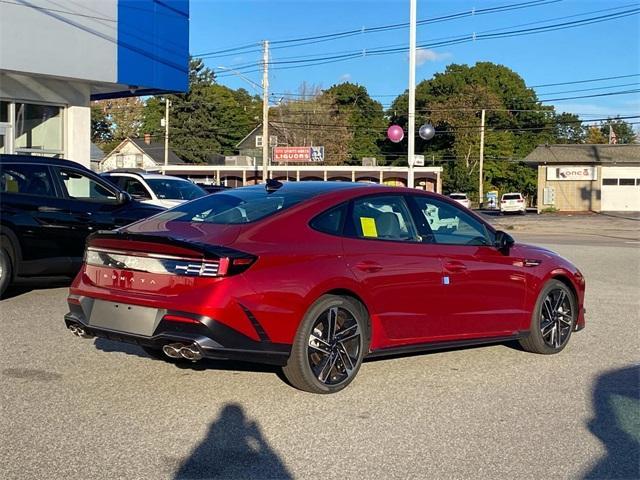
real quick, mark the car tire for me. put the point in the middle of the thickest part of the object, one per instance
(523, 212)
(6, 271)
(553, 320)
(329, 345)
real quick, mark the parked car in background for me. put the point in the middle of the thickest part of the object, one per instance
(461, 198)
(47, 208)
(316, 276)
(513, 203)
(155, 189)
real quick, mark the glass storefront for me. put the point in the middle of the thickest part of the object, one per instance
(31, 129)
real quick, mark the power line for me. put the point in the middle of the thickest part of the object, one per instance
(472, 37)
(585, 81)
(300, 41)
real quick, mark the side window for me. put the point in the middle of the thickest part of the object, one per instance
(330, 221)
(450, 224)
(382, 217)
(26, 179)
(135, 188)
(82, 187)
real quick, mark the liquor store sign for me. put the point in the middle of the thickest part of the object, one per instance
(572, 173)
(298, 154)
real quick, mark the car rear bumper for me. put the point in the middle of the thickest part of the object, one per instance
(212, 338)
(512, 208)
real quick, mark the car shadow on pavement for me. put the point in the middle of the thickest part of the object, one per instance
(616, 401)
(109, 346)
(233, 448)
(17, 290)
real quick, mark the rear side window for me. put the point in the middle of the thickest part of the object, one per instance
(232, 208)
(330, 221)
(26, 179)
(458, 197)
(383, 218)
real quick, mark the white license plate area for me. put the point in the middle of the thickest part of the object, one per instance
(125, 318)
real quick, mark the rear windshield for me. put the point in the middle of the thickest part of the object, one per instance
(173, 189)
(512, 196)
(241, 206)
(458, 196)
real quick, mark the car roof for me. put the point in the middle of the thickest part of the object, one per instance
(512, 193)
(144, 175)
(4, 157)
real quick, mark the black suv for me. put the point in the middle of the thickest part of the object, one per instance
(47, 208)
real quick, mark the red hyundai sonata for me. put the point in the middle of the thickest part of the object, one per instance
(317, 276)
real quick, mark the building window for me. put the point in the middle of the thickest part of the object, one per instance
(609, 181)
(38, 129)
(627, 181)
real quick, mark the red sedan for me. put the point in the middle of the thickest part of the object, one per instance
(317, 276)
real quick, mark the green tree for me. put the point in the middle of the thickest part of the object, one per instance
(209, 119)
(516, 122)
(623, 130)
(101, 126)
(364, 116)
(568, 129)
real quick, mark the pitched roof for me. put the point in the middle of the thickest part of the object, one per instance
(156, 151)
(592, 154)
(258, 131)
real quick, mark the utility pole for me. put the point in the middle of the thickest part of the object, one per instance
(481, 175)
(265, 110)
(412, 93)
(167, 104)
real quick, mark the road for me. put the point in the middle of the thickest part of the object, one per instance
(78, 409)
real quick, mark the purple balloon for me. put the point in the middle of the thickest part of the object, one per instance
(395, 133)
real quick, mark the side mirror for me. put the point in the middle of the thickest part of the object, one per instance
(504, 241)
(122, 197)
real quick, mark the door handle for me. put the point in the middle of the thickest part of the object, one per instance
(49, 209)
(454, 267)
(369, 267)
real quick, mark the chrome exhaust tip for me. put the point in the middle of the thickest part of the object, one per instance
(191, 352)
(82, 333)
(172, 350)
(73, 329)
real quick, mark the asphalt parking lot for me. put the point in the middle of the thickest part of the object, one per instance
(73, 408)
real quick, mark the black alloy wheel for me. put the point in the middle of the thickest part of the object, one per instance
(553, 320)
(329, 345)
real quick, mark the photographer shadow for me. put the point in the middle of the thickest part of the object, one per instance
(233, 448)
(616, 400)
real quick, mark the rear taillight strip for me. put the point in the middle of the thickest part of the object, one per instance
(152, 263)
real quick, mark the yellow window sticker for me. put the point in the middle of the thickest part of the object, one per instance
(368, 227)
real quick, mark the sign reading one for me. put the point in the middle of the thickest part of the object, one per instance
(298, 154)
(572, 173)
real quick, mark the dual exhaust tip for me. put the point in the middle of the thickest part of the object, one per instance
(180, 350)
(171, 350)
(79, 331)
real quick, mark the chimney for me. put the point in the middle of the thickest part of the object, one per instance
(147, 138)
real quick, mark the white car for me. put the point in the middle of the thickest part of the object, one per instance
(461, 198)
(513, 202)
(155, 189)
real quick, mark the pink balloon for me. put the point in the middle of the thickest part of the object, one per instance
(395, 133)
